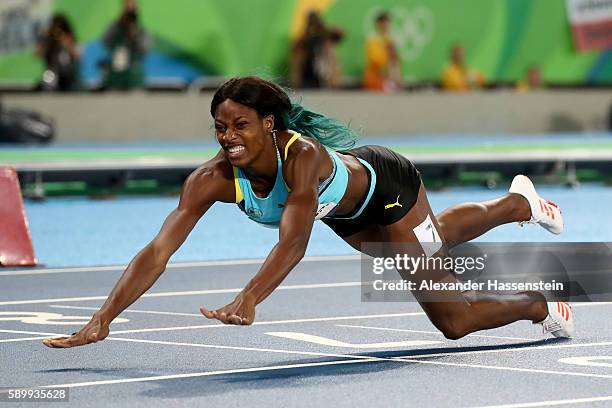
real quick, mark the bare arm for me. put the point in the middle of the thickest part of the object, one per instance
(295, 228)
(199, 193)
(150, 262)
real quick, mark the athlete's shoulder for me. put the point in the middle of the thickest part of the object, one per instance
(303, 157)
(212, 181)
(301, 148)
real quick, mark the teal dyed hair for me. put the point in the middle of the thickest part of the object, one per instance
(267, 98)
(329, 131)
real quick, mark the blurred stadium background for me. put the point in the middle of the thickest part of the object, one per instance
(212, 39)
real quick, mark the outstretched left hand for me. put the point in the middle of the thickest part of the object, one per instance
(241, 311)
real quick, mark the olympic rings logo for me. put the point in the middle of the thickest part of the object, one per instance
(411, 29)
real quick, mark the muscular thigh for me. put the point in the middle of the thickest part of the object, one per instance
(410, 235)
(417, 234)
(371, 233)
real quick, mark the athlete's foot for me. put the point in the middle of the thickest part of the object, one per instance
(543, 212)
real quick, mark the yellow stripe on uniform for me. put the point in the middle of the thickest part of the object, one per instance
(293, 138)
(239, 196)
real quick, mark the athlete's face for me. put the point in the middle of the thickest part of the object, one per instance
(241, 132)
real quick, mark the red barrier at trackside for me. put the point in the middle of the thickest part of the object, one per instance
(15, 240)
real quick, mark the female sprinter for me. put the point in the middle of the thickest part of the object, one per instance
(285, 166)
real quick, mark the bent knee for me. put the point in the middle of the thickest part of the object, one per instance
(453, 326)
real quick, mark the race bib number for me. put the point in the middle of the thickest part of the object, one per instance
(325, 209)
(428, 236)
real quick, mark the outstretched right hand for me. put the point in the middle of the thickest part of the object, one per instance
(94, 331)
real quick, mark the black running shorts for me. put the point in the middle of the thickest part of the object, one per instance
(395, 193)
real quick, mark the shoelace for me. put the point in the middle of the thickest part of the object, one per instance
(549, 327)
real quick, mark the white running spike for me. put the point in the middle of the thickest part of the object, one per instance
(543, 212)
(560, 320)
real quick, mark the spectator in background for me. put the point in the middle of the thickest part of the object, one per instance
(57, 46)
(532, 81)
(382, 66)
(314, 62)
(458, 76)
(128, 44)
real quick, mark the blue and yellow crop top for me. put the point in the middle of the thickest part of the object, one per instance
(267, 211)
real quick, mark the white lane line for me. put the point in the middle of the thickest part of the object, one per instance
(259, 350)
(514, 350)
(174, 343)
(210, 373)
(183, 293)
(429, 355)
(354, 359)
(216, 326)
(362, 327)
(21, 339)
(434, 332)
(490, 367)
(550, 403)
(199, 315)
(129, 311)
(270, 322)
(179, 265)
(326, 341)
(205, 292)
(302, 365)
(29, 332)
(589, 361)
(40, 335)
